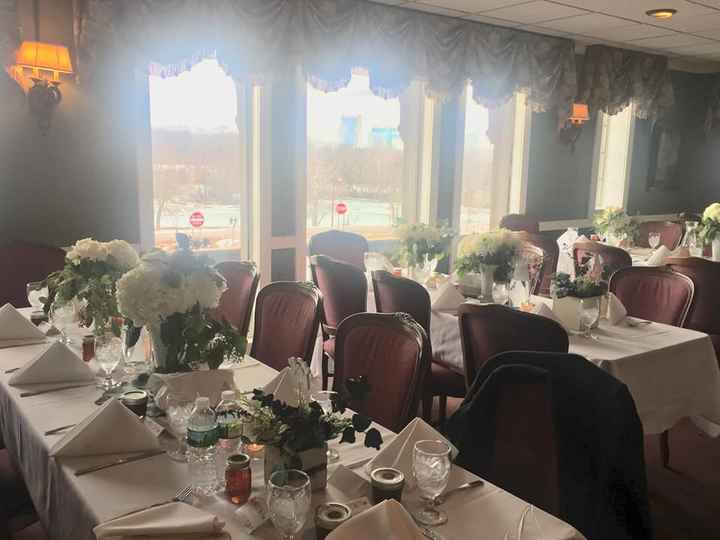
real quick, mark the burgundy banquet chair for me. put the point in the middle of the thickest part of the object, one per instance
(551, 253)
(236, 303)
(340, 245)
(21, 264)
(487, 330)
(287, 317)
(520, 222)
(344, 289)
(401, 295)
(391, 351)
(611, 258)
(534, 258)
(671, 233)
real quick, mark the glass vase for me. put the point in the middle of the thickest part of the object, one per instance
(166, 357)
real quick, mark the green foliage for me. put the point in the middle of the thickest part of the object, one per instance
(616, 222)
(496, 248)
(563, 285)
(420, 242)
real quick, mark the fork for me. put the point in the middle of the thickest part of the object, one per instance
(181, 495)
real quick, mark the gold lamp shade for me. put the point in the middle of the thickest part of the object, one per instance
(579, 114)
(38, 56)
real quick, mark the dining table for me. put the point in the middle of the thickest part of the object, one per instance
(70, 506)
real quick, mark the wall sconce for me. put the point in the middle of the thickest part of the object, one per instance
(570, 132)
(45, 61)
(579, 114)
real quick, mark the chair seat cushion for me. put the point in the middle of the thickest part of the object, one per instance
(444, 381)
(329, 347)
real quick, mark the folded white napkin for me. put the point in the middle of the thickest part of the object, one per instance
(17, 330)
(543, 310)
(387, 520)
(349, 483)
(680, 251)
(112, 429)
(56, 364)
(658, 257)
(284, 387)
(188, 386)
(176, 520)
(399, 454)
(616, 312)
(447, 298)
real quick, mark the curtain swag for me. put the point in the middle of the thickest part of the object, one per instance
(259, 40)
(611, 78)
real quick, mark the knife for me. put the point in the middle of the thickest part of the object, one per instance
(120, 461)
(48, 390)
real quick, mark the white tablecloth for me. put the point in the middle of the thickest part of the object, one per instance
(71, 506)
(672, 373)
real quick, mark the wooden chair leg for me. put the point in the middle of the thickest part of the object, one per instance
(665, 449)
(442, 411)
(427, 403)
(324, 371)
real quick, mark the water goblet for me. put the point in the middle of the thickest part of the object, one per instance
(37, 291)
(589, 315)
(63, 317)
(500, 293)
(288, 501)
(178, 413)
(431, 468)
(325, 399)
(654, 239)
(108, 353)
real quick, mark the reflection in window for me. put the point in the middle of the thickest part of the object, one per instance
(612, 164)
(195, 159)
(355, 157)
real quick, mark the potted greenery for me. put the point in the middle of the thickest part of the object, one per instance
(710, 229)
(486, 258)
(577, 301)
(295, 436)
(421, 247)
(616, 226)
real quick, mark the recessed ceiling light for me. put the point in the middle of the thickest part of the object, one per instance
(664, 13)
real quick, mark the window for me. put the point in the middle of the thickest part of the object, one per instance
(613, 156)
(197, 182)
(494, 163)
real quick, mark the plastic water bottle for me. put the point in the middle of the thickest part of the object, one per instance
(201, 439)
(227, 417)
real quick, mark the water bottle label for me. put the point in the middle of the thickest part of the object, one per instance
(202, 439)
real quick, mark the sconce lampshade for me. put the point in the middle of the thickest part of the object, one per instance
(37, 56)
(579, 114)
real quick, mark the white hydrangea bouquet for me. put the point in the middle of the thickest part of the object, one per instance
(90, 275)
(172, 295)
(496, 250)
(710, 229)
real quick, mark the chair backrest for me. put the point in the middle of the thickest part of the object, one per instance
(551, 253)
(344, 288)
(610, 257)
(704, 313)
(287, 317)
(236, 303)
(486, 330)
(401, 295)
(520, 222)
(510, 438)
(671, 233)
(534, 258)
(391, 351)
(654, 293)
(23, 263)
(341, 246)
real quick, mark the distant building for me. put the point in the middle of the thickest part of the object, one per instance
(350, 130)
(385, 137)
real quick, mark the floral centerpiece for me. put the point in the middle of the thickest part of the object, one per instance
(172, 295)
(577, 302)
(421, 247)
(615, 225)
(492, 254)
(296, 436)
(710, 229)
(90, 276)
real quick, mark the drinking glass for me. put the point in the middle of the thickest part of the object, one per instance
(431, 468)
(500, 293)
(178, 413)
(589, 315)
(288, 501)
(324, 399)
(654, 239)
(36, 291)
(63, 317)
(108, 353)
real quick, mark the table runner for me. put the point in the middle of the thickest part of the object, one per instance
(70, 506)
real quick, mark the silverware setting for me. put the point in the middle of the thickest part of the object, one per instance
(440, 499)
(56, 389)
(57, 430)
(119, 461)
(182, 495)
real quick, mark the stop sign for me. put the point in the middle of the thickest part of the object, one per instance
(197, 219)
(341, 208)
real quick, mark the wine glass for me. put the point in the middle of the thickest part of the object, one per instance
(654, 239)
(63, 317)
(178, 413)
(500, 293)
(325, 399)
(288, 501)
(589, 315)
(108, 353)
(431, 468)
(36, 292)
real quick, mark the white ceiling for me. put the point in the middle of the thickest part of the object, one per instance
(693, 34)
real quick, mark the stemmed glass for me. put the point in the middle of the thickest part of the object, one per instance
(178, 413)
(36, 291)
(63, 317)
(108, 353)
(500, 293)
(288, 501)
(654, 239)
(431, 468)
(589, 315)
(325, 398)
